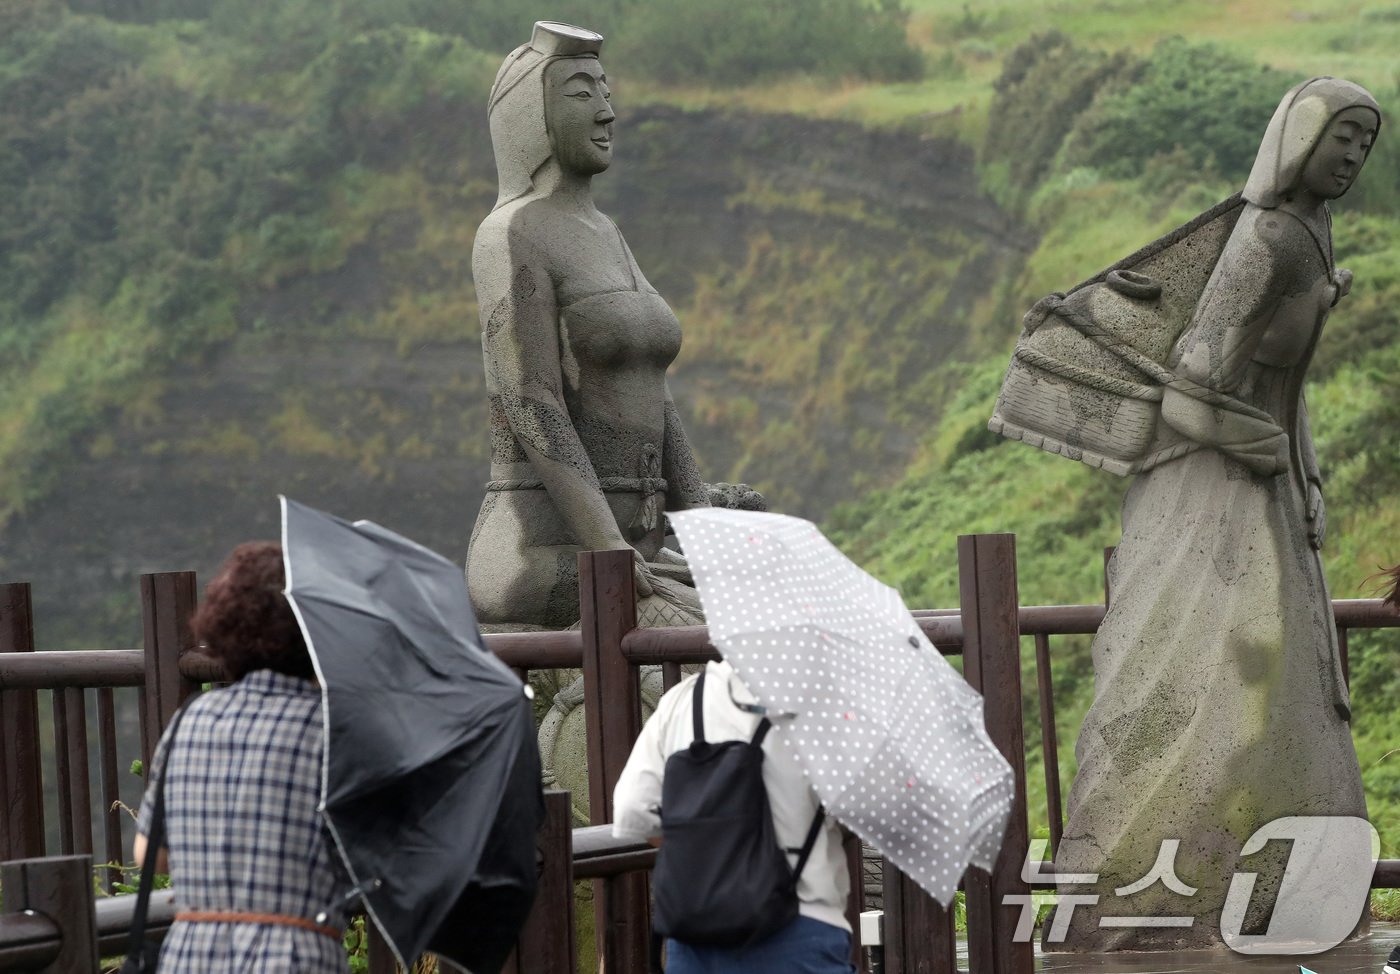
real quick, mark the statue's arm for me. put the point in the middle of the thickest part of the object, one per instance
(1315, 508)
(1237, 305)
(1311, 471)
(520, 343)
(684, 488)
(1259, 266)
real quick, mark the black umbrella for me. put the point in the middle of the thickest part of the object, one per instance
(432, 778)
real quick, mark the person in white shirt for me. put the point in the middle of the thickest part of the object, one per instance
(819, 940)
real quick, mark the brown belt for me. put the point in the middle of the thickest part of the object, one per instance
(272, 919)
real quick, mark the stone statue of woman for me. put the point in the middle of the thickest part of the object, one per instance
(1218, 703)
(587, 448)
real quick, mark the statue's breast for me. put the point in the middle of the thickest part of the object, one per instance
(620, 329)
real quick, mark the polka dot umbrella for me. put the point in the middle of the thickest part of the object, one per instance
(890, 735)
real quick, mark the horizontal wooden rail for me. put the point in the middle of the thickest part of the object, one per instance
(31, 941)
(199, 667)
(1060, 620)
(597, 854)
(683, 644)
(538, 650)
(691, 644)
(1365, 614)
(945, 632)
(114, 919)
(78, 668)
(564, 649)
(28, 942)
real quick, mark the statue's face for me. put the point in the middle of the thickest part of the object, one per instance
(578, 115)
(1340, 153)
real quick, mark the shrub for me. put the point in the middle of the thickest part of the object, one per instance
(1212, 104)
(733, 42)
(1046, 84)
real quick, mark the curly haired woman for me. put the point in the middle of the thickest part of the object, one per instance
(248, 856)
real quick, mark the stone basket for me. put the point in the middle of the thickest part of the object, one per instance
(1085, 380)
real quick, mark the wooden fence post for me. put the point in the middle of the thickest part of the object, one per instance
(613, 719)
(992, 661)
(61, 889)
(920, 936)
(611, 685)
(167, 602)
(546, 942)
(855, 902)
(21, 777)
(74, 786)
(379, 958)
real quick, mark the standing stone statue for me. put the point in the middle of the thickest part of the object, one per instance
(587, 449)
(1219, 705)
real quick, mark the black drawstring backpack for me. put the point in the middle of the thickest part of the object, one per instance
(721, 879)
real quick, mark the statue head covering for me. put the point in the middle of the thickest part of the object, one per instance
(1299, 121)
(519, 137)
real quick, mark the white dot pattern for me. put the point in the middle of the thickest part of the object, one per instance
(890, 735)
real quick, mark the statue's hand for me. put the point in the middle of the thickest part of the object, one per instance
(1341, 282)
(641, 574)
(668, 557)
(669, 565)
(1316, 511)
(735, 497)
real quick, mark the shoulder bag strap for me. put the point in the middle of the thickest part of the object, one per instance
(155, 841)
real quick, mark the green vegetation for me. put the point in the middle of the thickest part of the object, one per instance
(720, 42)
(728, 42)
(1180, 88)
(136, 207)
(182, 177)
(160, 162)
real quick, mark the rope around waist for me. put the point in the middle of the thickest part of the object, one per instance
(610, 485)
(267, 919)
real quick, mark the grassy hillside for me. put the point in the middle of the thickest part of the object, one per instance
(966, 43)
(230, 268)
(234, 243)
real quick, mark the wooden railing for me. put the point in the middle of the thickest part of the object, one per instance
(54, 924)
(918, 934)
(167, 600)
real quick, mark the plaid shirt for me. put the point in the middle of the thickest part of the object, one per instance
(243, 829)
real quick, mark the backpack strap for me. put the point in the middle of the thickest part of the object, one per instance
(810, 841)
(698, 708)
(760, 732)
(764, 726)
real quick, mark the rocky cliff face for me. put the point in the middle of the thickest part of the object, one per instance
(823, 275)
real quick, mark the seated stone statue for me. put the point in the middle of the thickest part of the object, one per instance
(587, 448)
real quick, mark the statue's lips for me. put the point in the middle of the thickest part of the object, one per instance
(603, 143)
